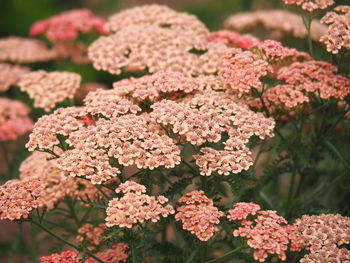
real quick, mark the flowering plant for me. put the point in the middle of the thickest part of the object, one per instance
(205, 147)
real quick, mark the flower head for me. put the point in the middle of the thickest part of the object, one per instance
(310, 5)
(242, 71)
(337, 36)
(277, 20)
(10, 75)
(323, 235)
(135, 206)
(157, 15)
(49, 88)
(151, 48)
(232, 39)
(63, 257)
(67, 25)
(25, 50)
(19, 197)
(198, 215)
(14, 119)
(267, 233)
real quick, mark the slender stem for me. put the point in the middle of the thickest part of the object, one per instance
(203, 251)
(189, 166)
(72, 211)
(102, 192)
(193, 254)
(307, 22)
(64, 241)
(225, 255)
(290, 193)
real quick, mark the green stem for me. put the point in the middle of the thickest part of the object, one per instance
(290, 193)
(101, 191)
(63, 240)
(225, 255)
(189, 166)
(307, 22)
(72, 211)
(203, 251)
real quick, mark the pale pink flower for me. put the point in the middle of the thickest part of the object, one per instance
(323, 235)
(19, 197)
(14, 119)
(129, 139)
(151, 48)
(242, 211)
(115, 254)
(25, 50)
(232, 39)
(198, 215)
(135, 206)
(267, 233)
(49, 88)
(242, 71)
(203, 118)
(157, 15)
(55, 185)
(278, 20)
(68, 256)
(316, 77)
(310, 5)
(274, 52)
(10, 75)
(337, 36)
(157, 86)
(67, 25)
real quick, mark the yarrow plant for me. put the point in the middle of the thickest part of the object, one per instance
(200, 147)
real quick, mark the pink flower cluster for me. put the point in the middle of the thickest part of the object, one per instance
(14, 119)
(49, 88)
(322, 235)
(310, 5)
(111, 127)
(129, 139)
(91, 235)
(135, 206)
(242, 210)
(169, 41)
(268, 233)
(158, 15)
(232, 39)
(156, 86)
(242, 71)
(274, 52)
(55, 185)
(302, 79)
(115, 254)
(279, 21)
(68, 24)
(68, 256)
(198, 215)
(19, 197)
(203, 118)
(316, 76)
(10, 75)
(25, 50)
(337, 36)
